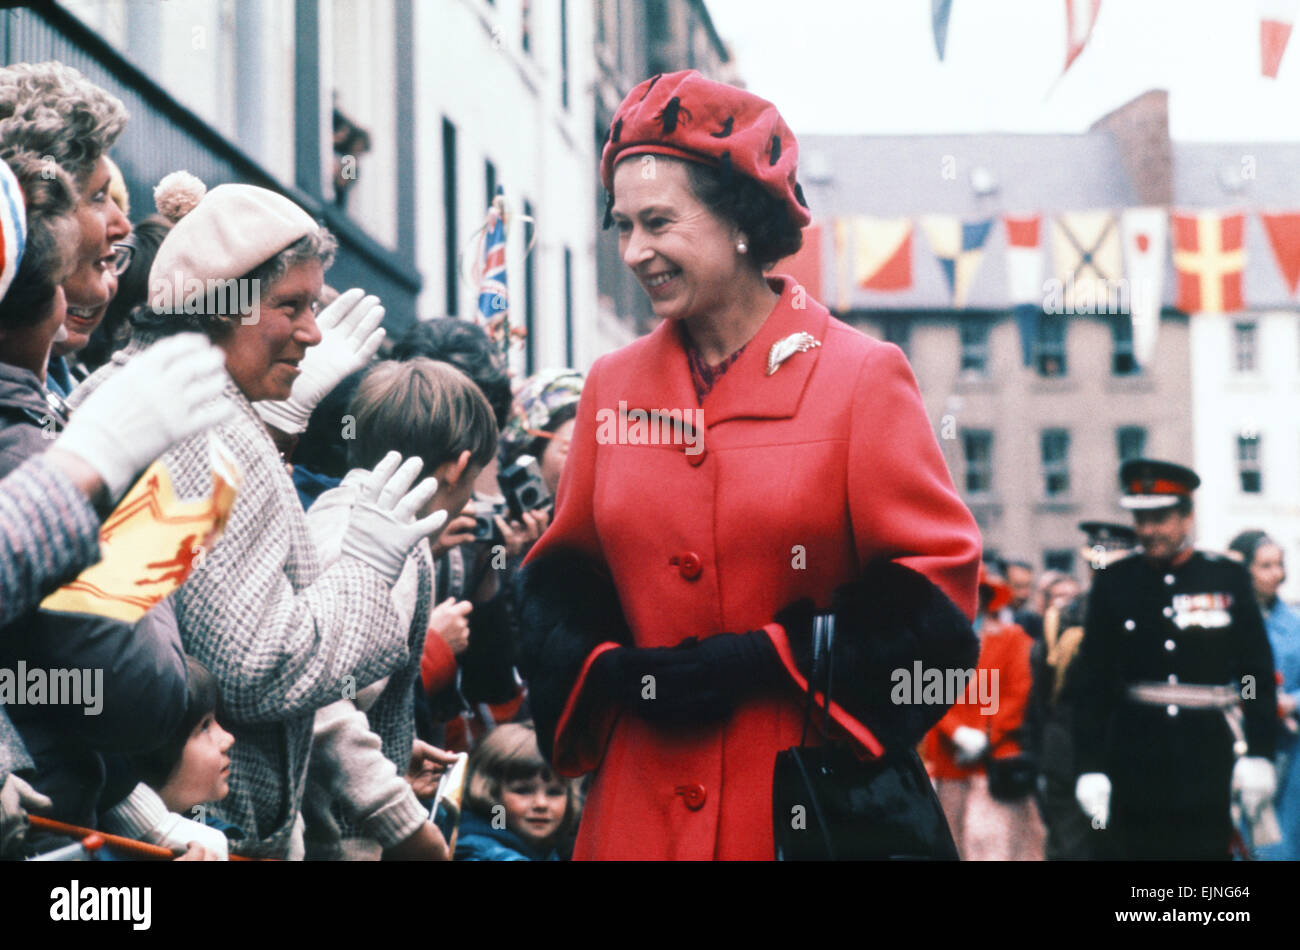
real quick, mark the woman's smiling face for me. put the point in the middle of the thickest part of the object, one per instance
(92, 284)
(683, 255)
(264, 350)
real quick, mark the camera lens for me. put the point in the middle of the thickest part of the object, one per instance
(528, 496)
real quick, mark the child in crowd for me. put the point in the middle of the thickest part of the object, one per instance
(190, 769)
(516, 808)
(358, 805)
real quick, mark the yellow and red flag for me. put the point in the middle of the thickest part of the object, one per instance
(1209, 257)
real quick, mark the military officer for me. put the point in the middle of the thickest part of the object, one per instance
(1172, 691)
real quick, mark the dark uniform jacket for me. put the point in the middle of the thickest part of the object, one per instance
(1196, 623)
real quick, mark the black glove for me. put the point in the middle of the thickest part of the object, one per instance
(697, 681)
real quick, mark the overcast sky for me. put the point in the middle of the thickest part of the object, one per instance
(863, 66)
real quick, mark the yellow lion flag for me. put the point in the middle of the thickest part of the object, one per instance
(151, 542)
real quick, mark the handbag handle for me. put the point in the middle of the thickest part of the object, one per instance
(823, 641)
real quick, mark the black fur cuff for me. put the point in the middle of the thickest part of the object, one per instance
(886, 620)
(568, 607)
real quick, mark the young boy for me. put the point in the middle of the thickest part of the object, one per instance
(357, 803)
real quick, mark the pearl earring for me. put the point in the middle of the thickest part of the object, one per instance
(741, 247)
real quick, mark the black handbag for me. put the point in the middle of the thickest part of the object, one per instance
(1012, 779)
(827, 804)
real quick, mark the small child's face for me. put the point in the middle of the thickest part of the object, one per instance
(535, 807)
(203, 774)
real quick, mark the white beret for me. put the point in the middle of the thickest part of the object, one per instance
(232, 230)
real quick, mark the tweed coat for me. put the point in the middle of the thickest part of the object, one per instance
(282, 636)
(804, 477)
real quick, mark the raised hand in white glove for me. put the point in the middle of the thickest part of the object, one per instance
(382, 527)
(163, 396)
(17, 798)
(1255, 781)
(350, 335)
(1092, 791)
(970, 744)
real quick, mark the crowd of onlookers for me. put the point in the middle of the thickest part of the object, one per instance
(289, 673)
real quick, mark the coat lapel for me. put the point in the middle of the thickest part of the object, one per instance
(745, 391)
(660, 378)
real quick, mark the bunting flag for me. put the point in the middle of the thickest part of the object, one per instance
(840, 237)
(958, 246)
(1275, 20)
(1284, 236)
(1025, 278)
(1209, 258)
(1144, 234)
(1080, 18)
(939, 10)
(1085, 250)
(882, 257)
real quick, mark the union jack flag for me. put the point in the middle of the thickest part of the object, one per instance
(493, 294)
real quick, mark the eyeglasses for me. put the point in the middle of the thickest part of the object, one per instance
(122, 257)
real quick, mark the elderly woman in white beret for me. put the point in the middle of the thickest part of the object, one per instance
(282, 636)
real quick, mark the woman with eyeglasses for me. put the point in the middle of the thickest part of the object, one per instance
(66, 371)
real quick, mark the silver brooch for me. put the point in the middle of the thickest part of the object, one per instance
(787, 347)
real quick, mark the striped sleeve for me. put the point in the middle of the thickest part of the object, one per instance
(48, 530)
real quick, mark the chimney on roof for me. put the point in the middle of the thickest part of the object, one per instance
(1140, 129)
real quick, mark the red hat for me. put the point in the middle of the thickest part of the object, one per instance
(1000, 590)
(687, 116)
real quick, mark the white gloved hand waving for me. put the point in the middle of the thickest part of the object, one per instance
(350, 336)
(1255, 781)
(1092, 791)
(970, 744)
(382, 527)
(162, 396)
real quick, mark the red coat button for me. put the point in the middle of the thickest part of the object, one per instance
(689, 565)
(695, 454)
(693, 795)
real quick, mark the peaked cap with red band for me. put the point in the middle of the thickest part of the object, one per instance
(686, 116)
(1147, 483)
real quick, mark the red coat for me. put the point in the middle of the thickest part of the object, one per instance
(1003, 647)
(805, 476)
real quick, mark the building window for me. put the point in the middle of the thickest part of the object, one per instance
(1060, 560)
(1056, 463)
(450, 238)
(898, 330)
(974, 345)
(1049, 346)
(1122, 360)
(1248, 467)
(530, 284)
(1244, 347)
(656, 20)
(490, 180)
(564, 52)
(568, 307)
(1132, 441)
(977, 446)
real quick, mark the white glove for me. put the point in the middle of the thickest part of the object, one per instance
(163, 396)
(382, 527)
(971, 744)
(17, 798)
(1092, 792)
(1254, 779)
(349, 337)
